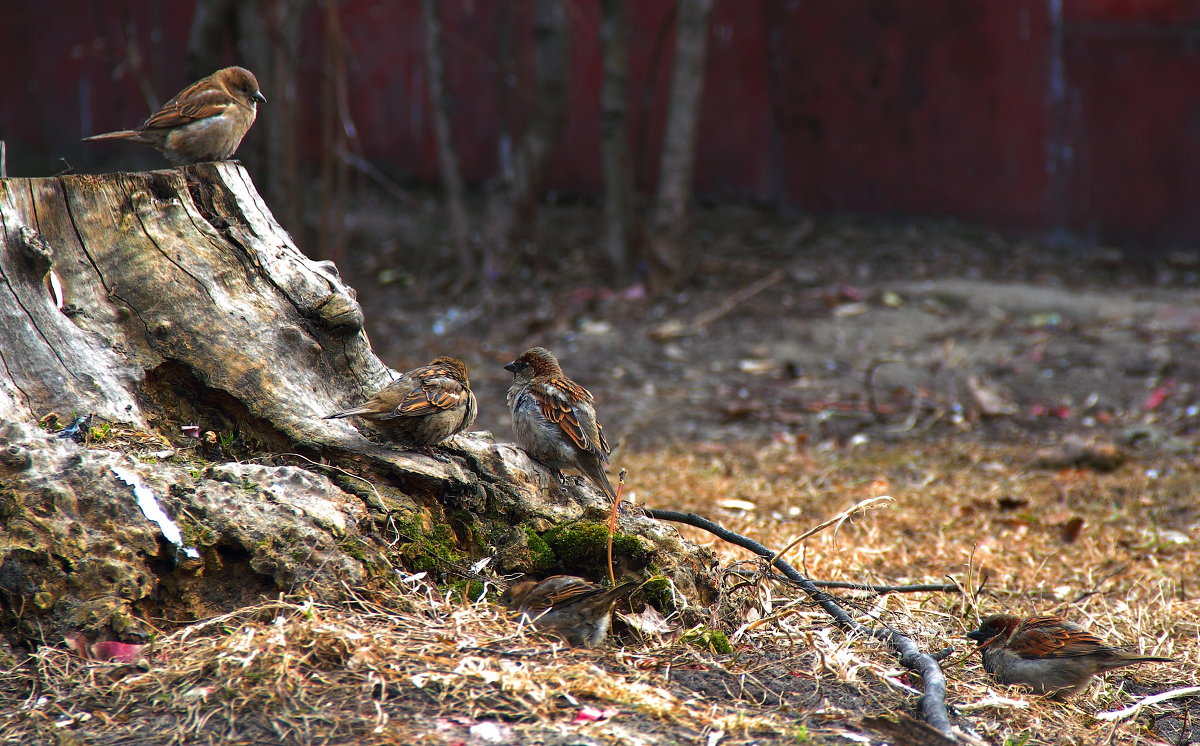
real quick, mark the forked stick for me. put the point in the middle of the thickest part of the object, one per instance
(932, 701)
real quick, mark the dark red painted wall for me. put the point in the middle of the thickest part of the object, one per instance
(1031, 115)
(1132, 108)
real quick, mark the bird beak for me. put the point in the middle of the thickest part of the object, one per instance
(257, 96)
(980, 637)
(511, 367)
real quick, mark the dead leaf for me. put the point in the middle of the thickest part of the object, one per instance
(1071, 528)
(989, 398)
(649, 622)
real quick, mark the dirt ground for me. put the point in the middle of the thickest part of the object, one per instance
(941, 325)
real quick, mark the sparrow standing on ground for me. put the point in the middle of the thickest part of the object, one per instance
(574, 608)
(1047, 653)
(204, 122)
(554, 419)
(422, 407)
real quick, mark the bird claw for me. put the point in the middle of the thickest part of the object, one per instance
(433, 453)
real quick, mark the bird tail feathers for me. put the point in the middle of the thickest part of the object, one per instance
(347, 413)
(594, 470)
(118, 135)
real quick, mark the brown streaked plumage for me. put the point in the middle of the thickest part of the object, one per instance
(554, 418)
(1047, 653)
(204, 122)
(578, 610)
(422, 407)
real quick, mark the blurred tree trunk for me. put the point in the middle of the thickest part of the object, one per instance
(338, 137)
(497, 215)
(447, 155)
(518, 217)
(672, 204)
(616, 157)
(266, 35)
(211, 20)
(282, 21)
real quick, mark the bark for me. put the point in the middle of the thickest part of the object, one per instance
(618, 176)
(452, 180)
(672, 202)
(171, 304)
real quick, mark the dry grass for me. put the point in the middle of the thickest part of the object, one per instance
(975, 513)
(407, 663)
(411, 665)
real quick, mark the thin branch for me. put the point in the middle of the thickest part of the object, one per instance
(737, 298)
(837, 520)
(932, 702)
(914, 588)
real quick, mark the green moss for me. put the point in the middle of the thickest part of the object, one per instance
(713, 640)
(657, 590)
(196, 534)
(353, 547)
(426, 549)
(466, 590)
(585, 545)
(377, 497)
(541, 557)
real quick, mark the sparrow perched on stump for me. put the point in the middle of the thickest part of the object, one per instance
(422, 407)
(204, 122)
(554, 418)
(574, 608)
(1048, 654)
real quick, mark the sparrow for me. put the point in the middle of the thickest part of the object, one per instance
(1047, 653)
(574, 608)
(422, 407)
(554, 419)
(204, 122)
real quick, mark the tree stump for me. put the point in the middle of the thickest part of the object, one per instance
(171, 308)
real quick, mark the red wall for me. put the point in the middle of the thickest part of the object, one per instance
(1030, 115)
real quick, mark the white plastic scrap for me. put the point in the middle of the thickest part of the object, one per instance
(153, 511)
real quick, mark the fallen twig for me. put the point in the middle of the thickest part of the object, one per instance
(675, 329)
(1187, 691)
(837, 520)
(914, 588)
(932, 702)
(869, 587)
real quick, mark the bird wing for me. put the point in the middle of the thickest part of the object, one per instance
(568, 594)
(433, 394)
(1051, 637)
(569, 405)
(556, 590)
(193, 103)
